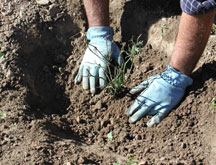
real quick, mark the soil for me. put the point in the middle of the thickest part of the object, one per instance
(50, 120)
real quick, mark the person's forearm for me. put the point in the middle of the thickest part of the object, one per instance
(97, 12)
(192, 37)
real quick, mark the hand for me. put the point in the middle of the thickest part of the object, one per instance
(159, 95)
(101, 49)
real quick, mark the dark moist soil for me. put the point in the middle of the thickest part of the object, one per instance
(49, 120)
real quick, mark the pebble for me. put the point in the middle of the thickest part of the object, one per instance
(81, 160)
(183, 145)
(98, 105)
(9, 74)
(42, 2)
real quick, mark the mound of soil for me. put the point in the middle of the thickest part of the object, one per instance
(47, 119)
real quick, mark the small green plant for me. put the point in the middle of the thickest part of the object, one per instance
(120, 74)
(213, 102)
(131, 161)
(110, 136)
(213, 29)
(163, 28)
(1, 54)
(2, 114)
(176, 137)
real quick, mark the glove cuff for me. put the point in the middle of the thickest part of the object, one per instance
(100, 32)
(176, 78)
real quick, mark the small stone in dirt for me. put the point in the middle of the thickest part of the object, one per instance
(183, 145)
(78, 119)
(98, 105)
(163, 158)
(143, 163)
(81, 160)
(9, 74)
(42, 2)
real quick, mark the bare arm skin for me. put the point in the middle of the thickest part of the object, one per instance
(193, 34)
(97, 12)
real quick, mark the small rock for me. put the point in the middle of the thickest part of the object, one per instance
(9, 74)
(162, 158)
(143, 163)
(183, 145)
(98, 105)
(81, 160)
(42, 2)
(78, 119)
(60, 69)
(111, 121)
(98, 125)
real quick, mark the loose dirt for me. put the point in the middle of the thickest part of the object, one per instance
(50, 120)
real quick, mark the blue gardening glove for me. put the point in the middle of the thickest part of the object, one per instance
(101, 49)
(159, 95)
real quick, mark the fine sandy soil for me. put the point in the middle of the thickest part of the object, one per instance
(47, 119)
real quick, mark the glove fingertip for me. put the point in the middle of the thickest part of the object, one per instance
(133, 91)
(154, 120)
(131, 120)
(78, 76)
(128, 112)
(150, 123)
(102, 83)
(85, 83)
(136, 90)
(77, 79)
(93, 91)
(102, 79)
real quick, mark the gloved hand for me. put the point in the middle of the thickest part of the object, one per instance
(100, 50)
(159, 95)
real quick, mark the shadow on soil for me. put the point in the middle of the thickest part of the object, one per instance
(44, 48)
(58, 133)
(202, 74)
(139, 15)
(43, 53)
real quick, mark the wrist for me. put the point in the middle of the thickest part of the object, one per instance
(176, 78)
(182, 68)
(105, 32)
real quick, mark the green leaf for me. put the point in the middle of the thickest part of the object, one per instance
(110, 136)
(2, 114)
(214, 102)
(116, 163)
(1, 54)
(131, 161)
